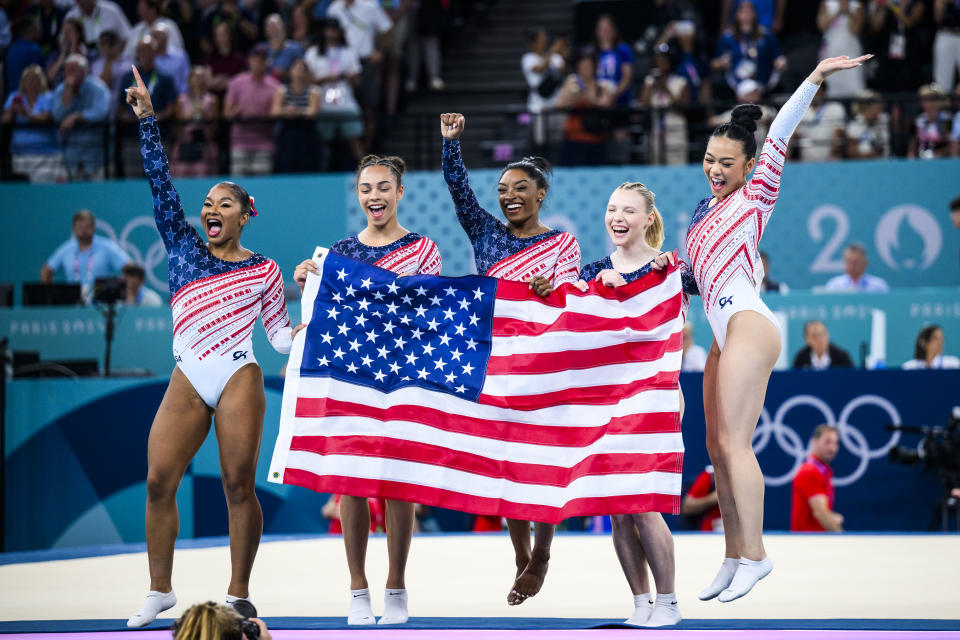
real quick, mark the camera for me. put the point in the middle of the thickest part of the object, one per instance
(248, 627)
(938, 451)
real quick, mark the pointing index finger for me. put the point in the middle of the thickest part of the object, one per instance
(136, 75)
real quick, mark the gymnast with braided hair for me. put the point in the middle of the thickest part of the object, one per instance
(217, 289)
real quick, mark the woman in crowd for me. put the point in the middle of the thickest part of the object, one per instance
(70, 42)
(217, 289)
(749, 51)
(523, 250)
(384, 243)
(35, 151)
(195, 153)
(928, 351)
(225, 61)
(296, 104)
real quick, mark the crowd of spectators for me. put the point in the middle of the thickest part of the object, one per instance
(688, 62)
(269, 69)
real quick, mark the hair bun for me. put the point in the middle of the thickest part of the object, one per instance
(746, 116)
(539, 162)
(397, 162)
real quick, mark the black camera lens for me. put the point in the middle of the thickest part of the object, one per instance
(250, 629)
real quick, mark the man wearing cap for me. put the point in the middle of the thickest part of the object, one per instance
(249, 96)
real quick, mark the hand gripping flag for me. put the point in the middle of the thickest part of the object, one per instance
(476, 394)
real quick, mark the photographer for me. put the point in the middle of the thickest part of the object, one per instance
(212, 621)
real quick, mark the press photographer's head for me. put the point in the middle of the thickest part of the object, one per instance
(213, 621)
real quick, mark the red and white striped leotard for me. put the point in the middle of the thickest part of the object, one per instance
(411, 254)
(722, 241)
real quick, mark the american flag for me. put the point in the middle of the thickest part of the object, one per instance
(476, 394)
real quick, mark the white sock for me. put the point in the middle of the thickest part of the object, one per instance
(642, 608)
(361, 610)
(153, 605)
(749, 573)
(394, 607)
(665, 611)
(722, 580)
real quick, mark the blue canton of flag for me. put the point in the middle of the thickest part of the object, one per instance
(372, 328)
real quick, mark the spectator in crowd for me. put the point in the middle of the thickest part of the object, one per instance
(932, 127)
(111, 66)
(137, 294)
(23, 51)
(946, 44)
(424, 44)
(856, 279)
(770, 13)
(300, 30)
(363, 23)
(587, 124)
(225, 62)
(694, 357)
(820, 132)
(403, 14)
(841, 22)
(70, 42)
(213, 621)
(249, 96)
(242, 23)
(701, 503)
(820, 354)
(195, 153)
(149, 13)
(35, 152)
(868, 134)
(170, 60)
(928, 351)
(281, 52)
(955, 134)
(163, 93)
(615, 62)
(767, 285)
(691, 63)
(749, 51)
(813, 492)
(668, 94)
(749, 91)
(81, 104)
(50, 17)
(336, 68)
(296, 104)
(97, 16)
(543, 69)
(955, 212)
(898, 37)
(85, 256)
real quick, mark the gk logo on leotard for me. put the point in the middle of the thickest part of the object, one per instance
(724, 301)
(852, 439)
(237, 355)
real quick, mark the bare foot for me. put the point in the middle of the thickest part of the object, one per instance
(530, 580)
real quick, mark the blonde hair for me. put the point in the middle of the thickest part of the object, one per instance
(33, 69)
(654, 234)
(208, 621)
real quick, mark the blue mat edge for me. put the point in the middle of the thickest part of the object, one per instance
(840, 624)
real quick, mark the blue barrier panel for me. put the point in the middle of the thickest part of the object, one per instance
(144, 336)
(896, 208)
(76, 456)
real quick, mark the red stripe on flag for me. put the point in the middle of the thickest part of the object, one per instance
(586, 323)
(524, 473)
(553, 362)
(364, 488)
(520, 291)
(550, 435)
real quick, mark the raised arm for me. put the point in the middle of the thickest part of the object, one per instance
(167, 210)
(765, 183)
(472, 216)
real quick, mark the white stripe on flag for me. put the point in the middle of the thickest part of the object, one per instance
(560, 341)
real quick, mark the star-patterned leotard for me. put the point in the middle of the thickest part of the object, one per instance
(215, 302)
(411, 254)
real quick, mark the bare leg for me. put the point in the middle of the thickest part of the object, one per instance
(630, 553)
(520, 537)
(728, 507)
(530, 579)
(399, 524)
(239, 425)
(178, 430)
(751, 350)
(355, 522)
(657, 541)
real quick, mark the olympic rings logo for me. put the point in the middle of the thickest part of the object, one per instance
(155, 254)
(851, 437)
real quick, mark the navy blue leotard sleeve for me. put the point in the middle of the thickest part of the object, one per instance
(476, 221)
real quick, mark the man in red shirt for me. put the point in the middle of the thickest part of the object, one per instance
(701, 502)
(813, 492)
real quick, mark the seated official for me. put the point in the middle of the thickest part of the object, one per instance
(820, 353)
(812, 488)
